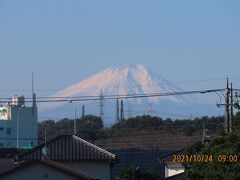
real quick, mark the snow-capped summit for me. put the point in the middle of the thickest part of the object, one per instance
(122, 80)
(125, 80)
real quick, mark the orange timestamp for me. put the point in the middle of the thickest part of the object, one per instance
(202, 158)
(186, 158)
(224, 158)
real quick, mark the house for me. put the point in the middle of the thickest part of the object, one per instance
(41, 170)
(18, 123)
(172, 168)
(68, 152)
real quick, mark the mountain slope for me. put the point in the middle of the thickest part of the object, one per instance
(125, 80)
(122, 80)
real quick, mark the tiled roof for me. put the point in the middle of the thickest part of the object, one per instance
(68, 147)
(7, 164)
(169, 157)
(51, 164)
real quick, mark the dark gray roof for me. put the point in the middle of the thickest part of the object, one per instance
(169, 157)
(7, 164)
(68, 147)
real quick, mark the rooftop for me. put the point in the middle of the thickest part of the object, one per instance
(67, 147)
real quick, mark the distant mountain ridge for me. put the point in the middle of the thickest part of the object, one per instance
(125, 80)
(122, 80)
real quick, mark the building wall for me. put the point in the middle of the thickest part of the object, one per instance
(38, 172)
(27, 127)
(99, 169)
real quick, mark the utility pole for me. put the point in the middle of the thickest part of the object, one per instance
(75, 117)
(231, 108)
(204, 134)
(227, 115)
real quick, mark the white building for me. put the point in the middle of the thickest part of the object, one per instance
(172, 169)
(18, 124)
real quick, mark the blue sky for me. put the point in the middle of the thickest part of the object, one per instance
(64, 42)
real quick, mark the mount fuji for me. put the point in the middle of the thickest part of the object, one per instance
(125, 80)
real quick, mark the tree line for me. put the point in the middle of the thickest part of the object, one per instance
(91, 127)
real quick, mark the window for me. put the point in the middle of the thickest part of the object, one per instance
(9, 130)
(1, 128)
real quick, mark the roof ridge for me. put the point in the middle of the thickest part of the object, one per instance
(94, 146)
(98, 153)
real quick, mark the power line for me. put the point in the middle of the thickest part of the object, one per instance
(199, 80)
(109, 97)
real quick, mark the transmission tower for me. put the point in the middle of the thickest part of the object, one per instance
(231, 108)
(34, 104)
(101, 106)
(150, 110)
(83, 111)
(117, 110)
(122, 111)
(129, 109)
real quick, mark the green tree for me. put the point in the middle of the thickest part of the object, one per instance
(132, 173)
(89, 127)
(222, 149)
(48, 127)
